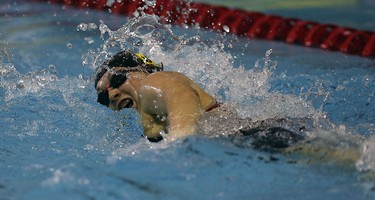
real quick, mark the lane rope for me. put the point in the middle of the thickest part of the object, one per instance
(242, 23)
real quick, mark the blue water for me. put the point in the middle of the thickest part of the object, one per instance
(57, 142)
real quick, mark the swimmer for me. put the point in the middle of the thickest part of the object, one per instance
(171, 104)
(168, 102)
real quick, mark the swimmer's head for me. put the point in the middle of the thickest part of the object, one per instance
(118, 68)
(130, 62)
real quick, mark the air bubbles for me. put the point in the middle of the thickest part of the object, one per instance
(145, 29)
(20, 84)
(226, 28)
(103, 29)
(110, 3)
(7, 70)
(267, 62)
(151, 3)
(136, 14)
(59, 176)
(89, 147)
(367, 160)
(185, 26)
(89, 40)
(52, 68)
(86, 27)
(340, 88)
(17, 84)
(82, 27)
(69, 45)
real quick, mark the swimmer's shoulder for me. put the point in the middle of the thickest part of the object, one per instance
(161, 85)
(174, 81)
(166, 79)
(171, 75)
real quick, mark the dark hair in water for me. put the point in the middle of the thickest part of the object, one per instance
(131, 61)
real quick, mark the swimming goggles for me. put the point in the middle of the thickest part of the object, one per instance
(117, 78)
(115, 82)
(128, 62)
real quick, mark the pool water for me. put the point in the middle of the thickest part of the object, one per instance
(57, 142)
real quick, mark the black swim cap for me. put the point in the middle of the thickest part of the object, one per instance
(128, 60)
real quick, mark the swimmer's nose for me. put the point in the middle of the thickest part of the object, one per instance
(113, 95)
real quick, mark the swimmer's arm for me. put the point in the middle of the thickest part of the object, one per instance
(184, 108)
(174, 96)
(151, 128)
(154, 131)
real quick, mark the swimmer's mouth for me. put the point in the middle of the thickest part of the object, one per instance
(126, 103)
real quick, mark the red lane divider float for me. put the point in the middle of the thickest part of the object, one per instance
(243, 23)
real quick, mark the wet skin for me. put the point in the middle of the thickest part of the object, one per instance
(168, 102)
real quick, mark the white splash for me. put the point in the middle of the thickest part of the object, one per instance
(245, 87)
(64, 176)
(17, 84)
(58, 177)
(367, 160)
(209, 65)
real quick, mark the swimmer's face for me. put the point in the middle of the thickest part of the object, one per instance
(116, 90)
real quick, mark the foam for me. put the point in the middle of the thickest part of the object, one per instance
(367, 160)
